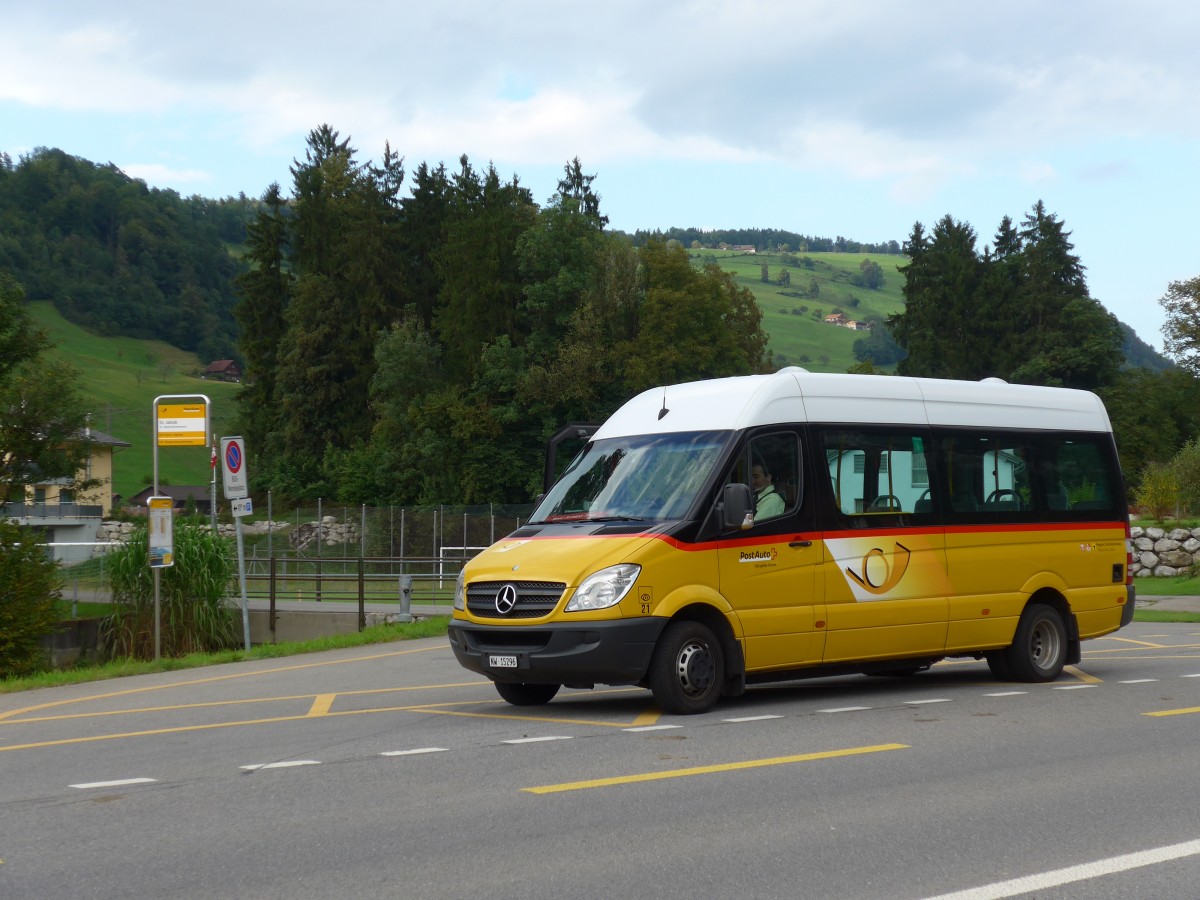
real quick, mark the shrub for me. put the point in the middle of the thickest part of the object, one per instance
(30, 591)
(1158, 492)
(195, 612)
(1185, 466)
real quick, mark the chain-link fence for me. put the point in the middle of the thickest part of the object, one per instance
(392, 531)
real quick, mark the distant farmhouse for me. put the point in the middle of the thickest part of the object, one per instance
(180, 494)
(223, 370)
(841, 320)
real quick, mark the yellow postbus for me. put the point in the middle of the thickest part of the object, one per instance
(763, 528)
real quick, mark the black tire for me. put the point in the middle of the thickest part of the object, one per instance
(1039, 649)
(688, 669)
(998, 663)
(526, 694)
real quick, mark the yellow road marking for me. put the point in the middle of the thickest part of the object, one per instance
(649, 717)
(216, 678)
(321, 705)
(1125, 640)
(231, 702)
(1174, 712)
(1082, 676)
(709, 770)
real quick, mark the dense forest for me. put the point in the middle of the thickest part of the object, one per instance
(415, 336)
(416, 348)
(118, 257)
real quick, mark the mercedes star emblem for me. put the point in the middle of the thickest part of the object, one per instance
(506, 599)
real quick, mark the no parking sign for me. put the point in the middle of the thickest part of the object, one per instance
(233, 468)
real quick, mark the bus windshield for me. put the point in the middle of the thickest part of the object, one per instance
(653, 476)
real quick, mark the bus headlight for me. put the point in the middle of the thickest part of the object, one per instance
(460, 592)
(605, 588)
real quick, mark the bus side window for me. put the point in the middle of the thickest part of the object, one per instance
(875, 477)
(1077, 475)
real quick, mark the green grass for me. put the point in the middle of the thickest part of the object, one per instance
(1178, 586)
(120, 379)
(793, 336)
(1163, 615)
(434, 626)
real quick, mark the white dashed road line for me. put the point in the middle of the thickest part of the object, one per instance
(108, 784)
(290, 764)
(536, 740)
(415, 752)
(651, 728)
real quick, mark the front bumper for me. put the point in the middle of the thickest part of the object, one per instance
(576, 655)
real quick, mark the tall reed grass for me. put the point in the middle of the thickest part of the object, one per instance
(196, 614)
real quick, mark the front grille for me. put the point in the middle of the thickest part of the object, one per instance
(533, 600)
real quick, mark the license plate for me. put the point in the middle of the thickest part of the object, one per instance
(502, 662)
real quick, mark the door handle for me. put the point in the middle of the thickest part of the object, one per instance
(800, 543)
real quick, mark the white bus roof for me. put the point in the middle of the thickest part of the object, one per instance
(797, 395)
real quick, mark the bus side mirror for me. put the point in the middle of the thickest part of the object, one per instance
(737, 507)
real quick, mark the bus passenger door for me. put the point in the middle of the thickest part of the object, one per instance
(768, 571)
(884, 566)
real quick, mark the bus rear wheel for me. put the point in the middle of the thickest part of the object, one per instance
(688, 669)
(1039, 649)
(519, 694)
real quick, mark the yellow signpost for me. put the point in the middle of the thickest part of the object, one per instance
(182, 425)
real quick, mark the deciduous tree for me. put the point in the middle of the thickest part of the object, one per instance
(1181, 331)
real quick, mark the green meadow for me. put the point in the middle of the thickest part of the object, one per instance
(789, 320)
(121, 377)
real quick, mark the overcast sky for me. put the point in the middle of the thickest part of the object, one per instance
(825, 118)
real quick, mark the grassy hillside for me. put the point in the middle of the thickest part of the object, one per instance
(121, 377)
(794, 331)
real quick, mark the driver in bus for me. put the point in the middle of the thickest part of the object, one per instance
(768, 502)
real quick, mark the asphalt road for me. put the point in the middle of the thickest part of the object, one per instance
(388, 771)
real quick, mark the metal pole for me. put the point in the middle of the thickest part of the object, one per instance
(212, 490)
(406, 583)
(362, 595)
(237, 520)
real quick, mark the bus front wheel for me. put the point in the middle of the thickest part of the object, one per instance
(1039, 649)
(688, 669)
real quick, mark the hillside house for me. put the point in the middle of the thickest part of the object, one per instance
(835, 319)
(180, 494)
(223, 370)
(67, 520)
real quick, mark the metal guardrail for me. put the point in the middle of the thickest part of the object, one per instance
(356, 579)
